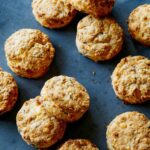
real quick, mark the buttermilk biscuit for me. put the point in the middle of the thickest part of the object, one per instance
(78, 144)
(68, 97)
(129, 131)
(97, 8)
(53, 13)
(8, 92)
(36, 127)
(99, 39)
(139, 24)
(29, 53)
(131, 79)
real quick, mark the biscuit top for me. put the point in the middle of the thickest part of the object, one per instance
(54, 9)
(129, 131)
(36, 127)
(131, 79)
(102, 37)
(78, 144)
(94, 7)
(67, 93)
(139, 22)
(28, 47)
(8, 91)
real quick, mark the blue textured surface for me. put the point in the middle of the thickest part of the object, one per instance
(16, 14)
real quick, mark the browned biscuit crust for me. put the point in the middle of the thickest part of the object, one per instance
(8, 92)
(68, 98)
(131, 79)
(78, 144)
(139, 24)
(37, 127)
(129, 131)
(29, 53)
(53, 13)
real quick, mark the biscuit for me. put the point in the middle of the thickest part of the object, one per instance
(131, 79)
(99, 39)
(53, 13)
(8, 92)
(29, 53)
(97, 8)
(68, 98)
(78, 144)
(37, 127)
(129, 131)
(138, 24)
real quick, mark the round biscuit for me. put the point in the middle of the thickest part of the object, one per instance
(78, 144)
(8, 92)
(29, 53)
(99, 39)
(139, 24)
(131, 79)
(129, 131)
(68, 98)
(38, 128)
(53, 13)
(97, 8)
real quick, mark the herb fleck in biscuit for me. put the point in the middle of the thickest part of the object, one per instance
(99, 39)
(29, 53)
(8, 92)
(129, 131)
(78, 144)
(68, 98)
(95, 7)
(37, 127)
(131, 79)
(139, 24)
(53, 13)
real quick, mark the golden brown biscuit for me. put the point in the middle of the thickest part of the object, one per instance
(129, 131)
(97, 8)
(99, 39)
(78, 144)
(53, 13)
(8, 92)
(68, 98)
(139, 24)
(37, 127)
(29, 53)
(131, 79)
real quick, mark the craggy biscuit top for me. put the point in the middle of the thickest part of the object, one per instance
(99, 39)
(78, 144)
(94, 7)
(29, 50)
(37, 127)
(68, 95)
(139, 24)
(8, 91)
(129, 131)
(56, 9)
(131, 79)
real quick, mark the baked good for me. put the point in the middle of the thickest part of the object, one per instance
(37, 127)
(129, 131)
(67, 96)
(138, 24)
(131, 79)
(53, 13)
(78, 144)
(99, 39)
(8, 92)
(29, 53)
(97, 8)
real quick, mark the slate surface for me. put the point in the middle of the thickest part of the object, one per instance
(16, 14)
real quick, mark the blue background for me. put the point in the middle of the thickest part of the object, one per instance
(16, 14)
